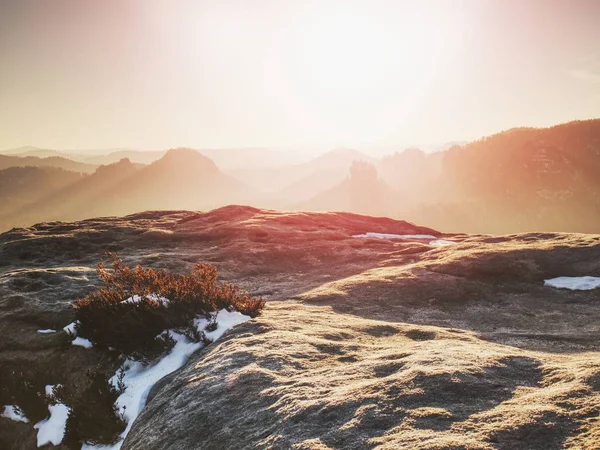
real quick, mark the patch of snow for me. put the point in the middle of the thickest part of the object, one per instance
(46, 331)
(392, 236)
(154, 297)
(574, 283)
(139, 378)
(10, 412)
(79, 341)
(49, 390)
(70, 328)
(82, 342)
(225, 320)
(52, 430)
(441, 243)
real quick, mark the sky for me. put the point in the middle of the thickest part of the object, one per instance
(155, 74)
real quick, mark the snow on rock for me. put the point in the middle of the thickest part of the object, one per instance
(225, 320)
(441, 243)
(70, 328)
(432, 240)
(154, 297)
(78, 341)
(52, 430)
(139, 378)
(11, 412)
(574, 283)
(392, 236)
(46, 331)
(82, 342)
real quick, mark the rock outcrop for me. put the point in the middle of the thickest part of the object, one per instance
(364, 343)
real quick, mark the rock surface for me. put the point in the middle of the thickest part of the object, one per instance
(305, 377)
(364, 343)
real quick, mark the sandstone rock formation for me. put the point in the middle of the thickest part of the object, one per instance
(364, 343)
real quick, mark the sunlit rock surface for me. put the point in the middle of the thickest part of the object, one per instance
(364, 343)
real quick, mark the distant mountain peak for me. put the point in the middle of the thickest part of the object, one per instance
(124, 165)
(188, 158)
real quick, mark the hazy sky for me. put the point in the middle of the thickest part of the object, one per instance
(84, 74)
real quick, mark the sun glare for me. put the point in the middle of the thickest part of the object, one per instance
(343, 72)
(354, 52)
(349, 62)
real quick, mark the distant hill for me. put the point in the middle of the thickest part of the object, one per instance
(181, 179)
(35, 151)
(524, 179)
(20, 186)
(94, 157)
(225, 158)
(135, 156)
(361, 192)
(251, 157)
(412, 171)
(74, 201)
(313, 184)
(51, 161)
(326, 170)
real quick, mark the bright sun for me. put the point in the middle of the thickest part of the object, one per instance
(342, 71)
(352, 52)
(347, 62)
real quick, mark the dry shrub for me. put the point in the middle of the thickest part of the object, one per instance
(133, 328)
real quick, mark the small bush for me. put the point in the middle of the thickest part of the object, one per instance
(193, 335)
(212, 323)
(93, 418)
(132, 327)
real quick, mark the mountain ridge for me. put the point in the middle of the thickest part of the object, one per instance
(523, 179)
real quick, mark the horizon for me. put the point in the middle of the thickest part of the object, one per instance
(373, 151)
(220, 75)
